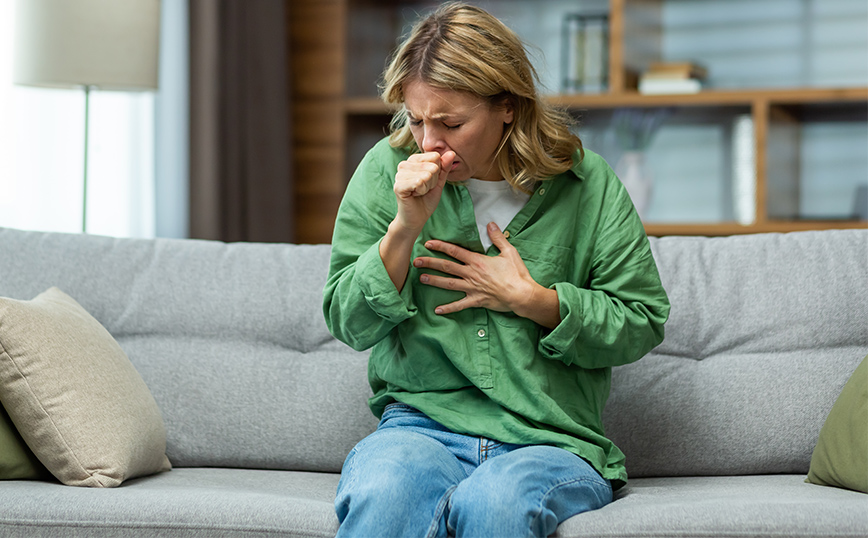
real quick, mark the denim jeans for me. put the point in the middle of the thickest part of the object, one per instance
(413, 477)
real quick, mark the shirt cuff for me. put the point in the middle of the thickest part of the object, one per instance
(379, 290)
(560, 341)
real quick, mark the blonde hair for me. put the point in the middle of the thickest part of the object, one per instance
(463, 48)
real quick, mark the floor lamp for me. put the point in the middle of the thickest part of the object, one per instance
(88, 44)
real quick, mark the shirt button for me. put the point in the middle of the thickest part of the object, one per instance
(481, 333)
(542, 191)
(506, 234)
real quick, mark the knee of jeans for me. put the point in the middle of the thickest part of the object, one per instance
(480, 501)
(397, 470)
(520, 492)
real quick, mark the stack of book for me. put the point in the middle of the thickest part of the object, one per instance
(672, 77)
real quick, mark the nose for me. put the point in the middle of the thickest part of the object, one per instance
(432, 140)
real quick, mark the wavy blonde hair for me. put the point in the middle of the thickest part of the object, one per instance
(464, 48)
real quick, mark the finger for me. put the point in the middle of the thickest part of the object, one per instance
(446, 161)
(457, 306)
(451, 250)
(497, 237)
(416, 179)
(444, 283)
(444, 266)
(429, 157)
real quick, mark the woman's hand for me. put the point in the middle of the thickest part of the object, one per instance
(418, 186)
(501, 283)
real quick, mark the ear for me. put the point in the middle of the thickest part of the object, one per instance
(508, 113)
(505, 106)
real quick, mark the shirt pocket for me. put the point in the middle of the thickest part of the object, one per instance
(547, 264)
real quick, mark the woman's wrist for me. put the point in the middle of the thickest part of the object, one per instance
(395, 249)
(539, 304)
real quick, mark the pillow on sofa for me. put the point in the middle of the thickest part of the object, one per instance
(17, 462)
(841, 456)
(74, 396)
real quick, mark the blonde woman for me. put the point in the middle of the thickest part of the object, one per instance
(497, 272)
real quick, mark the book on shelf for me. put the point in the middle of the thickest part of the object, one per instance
(661, 86)
(672, 78)
(676, 70)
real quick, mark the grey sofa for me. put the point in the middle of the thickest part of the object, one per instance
(261, 404)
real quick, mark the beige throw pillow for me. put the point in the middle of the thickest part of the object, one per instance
(74, 396)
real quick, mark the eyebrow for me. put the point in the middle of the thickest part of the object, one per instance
(439, 116)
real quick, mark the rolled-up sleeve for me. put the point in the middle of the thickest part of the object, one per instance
(619, 315)
(360, 302)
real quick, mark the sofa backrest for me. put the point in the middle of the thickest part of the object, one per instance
(229, 338)
(764, 332)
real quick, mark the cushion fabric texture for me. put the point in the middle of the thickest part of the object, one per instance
(765, 330)
(74, 396)
(229, 338)
(841, 456)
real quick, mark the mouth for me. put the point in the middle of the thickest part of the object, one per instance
(454, 165)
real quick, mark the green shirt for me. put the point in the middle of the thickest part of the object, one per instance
(495, 374)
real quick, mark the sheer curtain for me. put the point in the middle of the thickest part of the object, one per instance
(42, 152)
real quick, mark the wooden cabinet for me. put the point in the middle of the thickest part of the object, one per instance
(339, 49)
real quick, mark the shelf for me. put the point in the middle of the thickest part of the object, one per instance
(733, 228)
(340, 46)
(714, 97)
(373, 106)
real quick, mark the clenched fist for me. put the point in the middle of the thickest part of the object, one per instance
(418, 186)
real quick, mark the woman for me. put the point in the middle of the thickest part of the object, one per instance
(498, 272)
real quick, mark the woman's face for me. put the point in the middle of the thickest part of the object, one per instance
(443, 120)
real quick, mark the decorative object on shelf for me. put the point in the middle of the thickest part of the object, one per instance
(635, 129)
(585, 53)
(87, 44)
(672, 77)
(744, 170)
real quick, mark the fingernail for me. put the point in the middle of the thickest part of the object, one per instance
(417, 263)
(492, 226)
(424, 278)
(438, 310)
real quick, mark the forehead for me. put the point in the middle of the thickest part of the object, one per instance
(423, 100)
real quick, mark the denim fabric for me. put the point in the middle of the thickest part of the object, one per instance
(413, 477)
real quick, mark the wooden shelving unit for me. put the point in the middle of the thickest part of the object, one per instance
(337, 112)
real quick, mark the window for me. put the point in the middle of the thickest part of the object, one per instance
(42, 155)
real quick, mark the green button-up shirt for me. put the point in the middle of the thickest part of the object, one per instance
(495, 374)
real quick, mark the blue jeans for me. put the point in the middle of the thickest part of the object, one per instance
(413, 477)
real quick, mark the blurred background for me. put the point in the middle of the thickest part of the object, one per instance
(264, 108)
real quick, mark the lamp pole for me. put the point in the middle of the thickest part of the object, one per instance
(86, 136)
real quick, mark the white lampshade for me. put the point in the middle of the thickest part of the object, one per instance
(110, 44)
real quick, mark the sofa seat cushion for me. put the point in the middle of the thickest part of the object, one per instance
(725, 506)
(191, 502)
(210, 502)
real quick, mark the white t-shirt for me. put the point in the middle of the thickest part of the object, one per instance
(494, 201)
